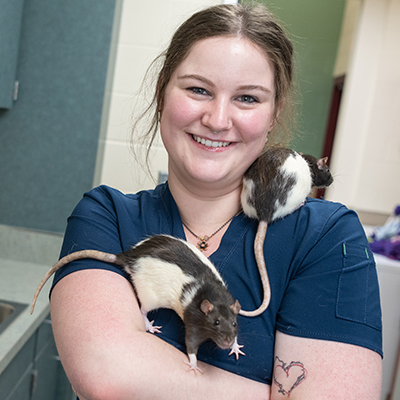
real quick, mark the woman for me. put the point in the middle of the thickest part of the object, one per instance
(223, 86)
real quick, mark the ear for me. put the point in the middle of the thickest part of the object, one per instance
(206, 307)
(322, 162)
(235, 307)
(273, 122)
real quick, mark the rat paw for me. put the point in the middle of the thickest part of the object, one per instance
(149, 325)
(193, 368)
(152, 329)
(192, 364)
(235, 349)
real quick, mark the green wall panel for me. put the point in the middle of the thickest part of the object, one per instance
(314, 27)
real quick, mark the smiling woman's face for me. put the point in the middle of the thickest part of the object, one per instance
(218, 110)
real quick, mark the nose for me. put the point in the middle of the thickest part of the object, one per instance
(228, 342)
(217, 116)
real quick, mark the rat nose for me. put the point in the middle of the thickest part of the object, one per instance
(217, 116)
(228, 342)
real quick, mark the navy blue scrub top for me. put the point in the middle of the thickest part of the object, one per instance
(323, 277)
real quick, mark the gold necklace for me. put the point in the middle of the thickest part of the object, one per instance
(202, 244)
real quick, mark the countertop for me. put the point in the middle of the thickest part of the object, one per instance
(18, 282)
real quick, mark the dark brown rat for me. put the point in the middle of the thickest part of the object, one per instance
(275, 185)
(167, 272)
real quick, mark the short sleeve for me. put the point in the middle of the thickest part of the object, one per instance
(108, 220)
(92, 225)
(333, 292)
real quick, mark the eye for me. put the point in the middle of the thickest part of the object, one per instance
(234, 324)
(197, 90)
(216, 322)
(248, 99)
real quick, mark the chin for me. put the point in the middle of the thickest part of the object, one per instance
(207, 179)
(211, 178)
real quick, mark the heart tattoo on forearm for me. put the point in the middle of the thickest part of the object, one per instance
(288, 377)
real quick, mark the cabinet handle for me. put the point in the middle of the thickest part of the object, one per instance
(16, 89)
(34, 376)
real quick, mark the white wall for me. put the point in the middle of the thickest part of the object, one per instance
(366, 154)
(346, 44)
(389, 281)
(145, 28)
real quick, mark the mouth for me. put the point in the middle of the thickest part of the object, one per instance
(210, 143)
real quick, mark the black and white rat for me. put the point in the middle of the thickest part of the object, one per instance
(274, 186)
(321, 175)
(167, 272)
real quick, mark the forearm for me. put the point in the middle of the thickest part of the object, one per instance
(159, 372)
(316, 369)
(107, 355)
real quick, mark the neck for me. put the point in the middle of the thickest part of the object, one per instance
(204, 211)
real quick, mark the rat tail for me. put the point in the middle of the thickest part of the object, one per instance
(262, 269)
(98, 255)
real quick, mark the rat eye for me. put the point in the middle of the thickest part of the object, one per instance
(216, 322)
(233, 324)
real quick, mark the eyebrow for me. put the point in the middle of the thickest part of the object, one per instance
(197, 77)
(208, 82)
(255, 87)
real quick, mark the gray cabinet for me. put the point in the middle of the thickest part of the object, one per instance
(15, 379)
(10, 32)
(36, 372)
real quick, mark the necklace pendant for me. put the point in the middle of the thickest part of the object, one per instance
(202, 244)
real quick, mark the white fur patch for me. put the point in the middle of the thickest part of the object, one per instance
(298, 166)
(245, 196)
(189, 295)
(159, 284)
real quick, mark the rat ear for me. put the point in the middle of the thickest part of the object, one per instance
(206, 307)
(322, 162)
(235, 307)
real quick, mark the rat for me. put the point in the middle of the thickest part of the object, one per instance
(167, 272)
(321, 175)
(275, 185)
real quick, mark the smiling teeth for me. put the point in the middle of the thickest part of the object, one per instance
(210, 143)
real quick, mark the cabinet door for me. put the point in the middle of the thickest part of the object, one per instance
(15, 379)
(36, 372)
(46, 367)
(23, 390)
(10, 32)
(51, 382)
